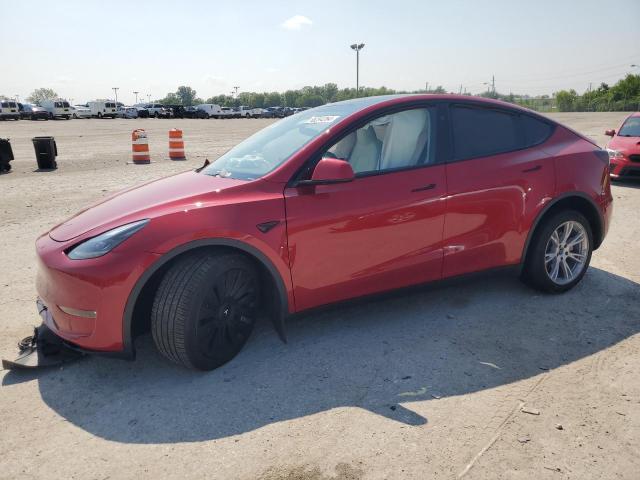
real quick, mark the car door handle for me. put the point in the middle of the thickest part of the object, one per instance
(431, 186)
(532, 169)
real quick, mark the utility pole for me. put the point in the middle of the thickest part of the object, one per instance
(17, 98)
(236, 91)
(460, 91)
(426, 87)
(136, 94)
(357, 47)
(493, 85)
(148, 98)
(115, 90)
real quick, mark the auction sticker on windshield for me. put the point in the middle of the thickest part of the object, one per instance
(323, 119)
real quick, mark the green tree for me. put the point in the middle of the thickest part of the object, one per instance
(171, 99)
(566, 100)
(41, 94)
(186, 95)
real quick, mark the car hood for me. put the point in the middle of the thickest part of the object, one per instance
(144, 201)
(625, 144)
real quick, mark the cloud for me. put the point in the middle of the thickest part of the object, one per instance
(296, 22)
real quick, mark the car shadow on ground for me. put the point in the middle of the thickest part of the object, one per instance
(626, 182)
(436, 342)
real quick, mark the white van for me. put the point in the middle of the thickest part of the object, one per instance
(59, 108)
(103, 109)
(211, 109)
(9, 109)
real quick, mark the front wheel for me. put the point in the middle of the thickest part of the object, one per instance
(560, 253)
(204, 309)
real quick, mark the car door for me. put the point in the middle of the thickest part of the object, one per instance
(498, 179)
(381, 231)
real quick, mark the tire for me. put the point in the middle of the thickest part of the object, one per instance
(99, 114)
(75, 116)
(204, 309)
(546, 254)
(155, 115)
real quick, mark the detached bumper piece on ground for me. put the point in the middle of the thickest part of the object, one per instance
(42, 349)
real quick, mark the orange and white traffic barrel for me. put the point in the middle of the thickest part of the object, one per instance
(140, 147)
(176, 145)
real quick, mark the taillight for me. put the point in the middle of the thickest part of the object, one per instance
(603, 155)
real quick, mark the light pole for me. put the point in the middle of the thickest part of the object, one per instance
(136, 94)
(17, 98)
(357, 47)
(148, 98)
(492, 84)
(115, 90)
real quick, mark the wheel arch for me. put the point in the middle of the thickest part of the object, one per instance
(578, 201)
(136, 315)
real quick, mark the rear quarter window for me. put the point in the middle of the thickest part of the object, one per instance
(535, 131)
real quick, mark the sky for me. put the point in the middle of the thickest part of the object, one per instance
(82, 49)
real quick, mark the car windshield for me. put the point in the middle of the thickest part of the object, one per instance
(272, 146)
(630, 128)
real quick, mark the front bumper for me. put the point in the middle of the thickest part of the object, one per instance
(85, 299)
(624, 168)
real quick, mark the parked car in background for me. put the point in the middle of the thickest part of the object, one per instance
(142, 111)
(371, 195)
(193, 112)
(624, 148)
(80, 111)
(9, 110)
(157, 110)
(274, 112)
(103, 109)
(32, 112)
(211, 109)
(127, 112)
(57, 108)
(245, 111)
(228, 112)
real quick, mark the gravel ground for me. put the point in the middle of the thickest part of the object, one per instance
(428, 384)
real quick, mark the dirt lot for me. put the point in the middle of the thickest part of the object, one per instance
(422, 385)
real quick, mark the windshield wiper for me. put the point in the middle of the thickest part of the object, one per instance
(204, 165)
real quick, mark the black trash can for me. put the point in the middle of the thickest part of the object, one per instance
(46, 152)
(6, 155)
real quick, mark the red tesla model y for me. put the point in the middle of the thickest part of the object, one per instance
(341, 201)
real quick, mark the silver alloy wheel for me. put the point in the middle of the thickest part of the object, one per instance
(566, 252)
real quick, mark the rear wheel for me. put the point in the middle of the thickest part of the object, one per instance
(560, 253)
(204, 309)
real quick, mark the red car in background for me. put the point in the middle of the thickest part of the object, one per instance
(341, 201)
(624, 148)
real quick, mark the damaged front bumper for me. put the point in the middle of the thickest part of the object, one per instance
(44, 348)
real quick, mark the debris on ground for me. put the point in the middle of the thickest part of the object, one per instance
(530, 411)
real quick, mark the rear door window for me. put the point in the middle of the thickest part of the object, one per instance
(480, 132)
(5, 104)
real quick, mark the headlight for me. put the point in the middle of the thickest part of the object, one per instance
(614, 154)
(104, 243)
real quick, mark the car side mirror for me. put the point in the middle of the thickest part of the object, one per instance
(330, 170)
(610, 133)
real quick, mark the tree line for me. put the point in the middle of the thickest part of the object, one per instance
(623, 96)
